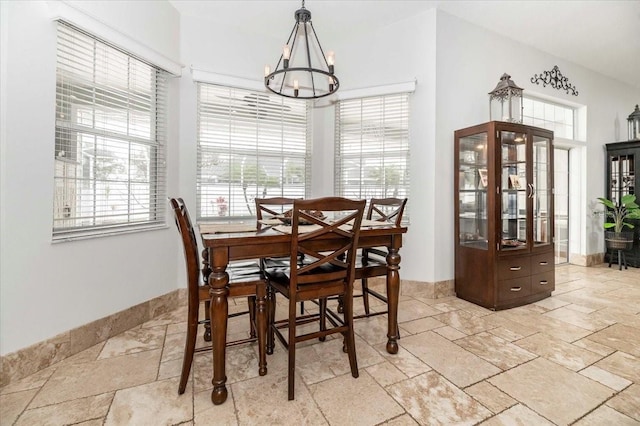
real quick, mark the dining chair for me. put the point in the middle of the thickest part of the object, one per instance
(241, 284)
(372, 262)
(329, 247)
(269, 209)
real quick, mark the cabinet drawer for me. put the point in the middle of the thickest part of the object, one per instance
(517, 266)
(514, 288)
(542, 263)
(543, 283)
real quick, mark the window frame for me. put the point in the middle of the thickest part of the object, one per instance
(551, 124)
(126, 125)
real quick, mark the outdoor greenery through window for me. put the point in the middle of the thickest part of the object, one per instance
(372, 147)
(110, 137)
(250, 144)
(550, 116)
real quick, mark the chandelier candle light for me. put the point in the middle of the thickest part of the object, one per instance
(303, 70)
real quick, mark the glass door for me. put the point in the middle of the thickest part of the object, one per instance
(515, 191)
(473, 184)
(541, 191)
(561, 204)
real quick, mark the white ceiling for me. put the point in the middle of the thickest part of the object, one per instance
(603, 36)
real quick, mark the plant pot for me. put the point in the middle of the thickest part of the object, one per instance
(618, 240)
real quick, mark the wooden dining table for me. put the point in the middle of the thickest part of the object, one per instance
(221, 248)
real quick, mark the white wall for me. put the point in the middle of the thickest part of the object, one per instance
(46, 288)
(398, 53)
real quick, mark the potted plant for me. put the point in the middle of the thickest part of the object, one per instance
(619, 213)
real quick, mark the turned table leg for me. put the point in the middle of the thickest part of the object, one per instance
(393, 291)
(219, 281)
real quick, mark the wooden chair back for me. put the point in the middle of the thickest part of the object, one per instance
(190, 248)
(324, 265)
(387, 210)
(274, 206)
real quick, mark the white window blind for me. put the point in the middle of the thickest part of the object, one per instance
(250, 144)
(110, 139)
(372, 147)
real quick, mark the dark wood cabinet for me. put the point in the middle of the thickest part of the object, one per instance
(503, 214)
(622, 168)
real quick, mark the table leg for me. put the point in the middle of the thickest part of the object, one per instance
(393, 291)
(218, 281)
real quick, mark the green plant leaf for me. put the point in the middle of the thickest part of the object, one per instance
(628, 199)
(607, 203)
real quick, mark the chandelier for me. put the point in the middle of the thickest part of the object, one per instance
(303, 70)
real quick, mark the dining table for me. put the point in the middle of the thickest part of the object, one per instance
(242, 242)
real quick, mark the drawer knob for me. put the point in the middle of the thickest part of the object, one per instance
(544, 282)
(515, 268)
(516, 288)
(544, 263)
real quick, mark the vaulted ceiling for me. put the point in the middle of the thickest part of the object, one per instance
(603, 36)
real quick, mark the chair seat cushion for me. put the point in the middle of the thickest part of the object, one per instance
(372, 261)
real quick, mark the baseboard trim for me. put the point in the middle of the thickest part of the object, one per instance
(29, 360)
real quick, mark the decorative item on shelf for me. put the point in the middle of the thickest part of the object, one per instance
(505, 101)
(555, 79)
(634, 124)
(303, 70)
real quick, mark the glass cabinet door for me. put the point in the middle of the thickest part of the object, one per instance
(541, 193)
(472, 194)
(622, 176)
(515, 191)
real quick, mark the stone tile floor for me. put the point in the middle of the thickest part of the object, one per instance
(573, 358)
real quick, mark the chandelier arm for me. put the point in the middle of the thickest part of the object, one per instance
(306, 39)
(294, 35)
(324, 57)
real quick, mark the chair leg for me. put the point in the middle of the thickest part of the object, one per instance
(271, 316)
(251, 301)
(292, 349)
(365, 296)
(189, 348)
(341, 304)
(207, 324)
(322, 306)
(261, 325)
(349, 336)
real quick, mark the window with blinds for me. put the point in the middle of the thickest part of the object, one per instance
(249, 145)
(372, 147)
(110, 139)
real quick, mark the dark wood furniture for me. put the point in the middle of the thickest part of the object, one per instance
(252, 286)
(372, 262)
(220, 249)
(504, 214)
(326, 271)
(622, 177)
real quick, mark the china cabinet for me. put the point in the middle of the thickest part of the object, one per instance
(503, 214)
(622, 165)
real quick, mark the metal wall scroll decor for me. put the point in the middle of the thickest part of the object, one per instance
(556, 80)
